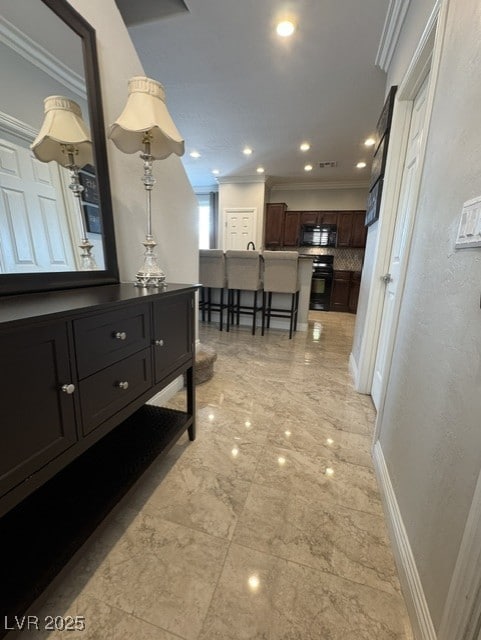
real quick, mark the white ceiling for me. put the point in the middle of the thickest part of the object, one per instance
(231, 81)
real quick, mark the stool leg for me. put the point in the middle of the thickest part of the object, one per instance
(209, 304)
(263, 311)
(202, 302)
(238, 307)
(221, 308)
(297, 310)
(269, 308)
(291, 318)
(254, 314)
(229, 304)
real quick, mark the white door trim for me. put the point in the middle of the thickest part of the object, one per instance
(426, 58)
(427, 54)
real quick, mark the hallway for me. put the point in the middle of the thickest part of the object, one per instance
(269, 526)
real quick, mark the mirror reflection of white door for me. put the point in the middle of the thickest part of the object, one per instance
(34, 231)
(401, 244)
(239, 225)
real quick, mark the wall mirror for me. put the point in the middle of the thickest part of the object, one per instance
(48, 49)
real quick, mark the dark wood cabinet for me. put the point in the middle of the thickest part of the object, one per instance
(359, 230)
(172, 335)
(309, 217)
(283, 227)
(291, 229)
(354, 291)
(345, 291)
(38, 415)
(344, 229)
(274, 225)
(75, 364)
(327, 217)
(340, 291)
(351, 231)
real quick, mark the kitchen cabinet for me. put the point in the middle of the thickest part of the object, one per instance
(76, 363)
(274, 225)
(341, 283)
(290, 236)
(318, 217)
(345, 291)
(354, 291)
(359, 230)
(309, 217)
(351, 232)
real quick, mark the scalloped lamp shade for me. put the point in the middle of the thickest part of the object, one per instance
(63, 125)
(144, 111)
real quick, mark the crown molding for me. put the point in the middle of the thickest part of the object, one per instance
(41, 58)
(242, 180)
(310, 186)
(390, 34)
(17, 128)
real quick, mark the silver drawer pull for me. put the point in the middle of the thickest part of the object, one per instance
(159, 343)
(120, 335)
(68, 388)
(123, 385)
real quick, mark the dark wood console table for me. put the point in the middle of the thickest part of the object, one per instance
(77, 363)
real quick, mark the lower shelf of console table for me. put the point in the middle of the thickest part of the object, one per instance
(42, 533)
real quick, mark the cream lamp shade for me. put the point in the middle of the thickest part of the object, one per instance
(63, 126)
(146, 111)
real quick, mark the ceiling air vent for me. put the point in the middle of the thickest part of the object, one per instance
(330, 164)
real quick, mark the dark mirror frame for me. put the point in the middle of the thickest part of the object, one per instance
(46, 281)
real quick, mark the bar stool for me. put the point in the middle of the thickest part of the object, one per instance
(212, 276)
(281, 276)
(244, 273)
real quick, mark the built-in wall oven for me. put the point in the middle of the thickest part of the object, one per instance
(321, 283)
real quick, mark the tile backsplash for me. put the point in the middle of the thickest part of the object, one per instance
(344, 259)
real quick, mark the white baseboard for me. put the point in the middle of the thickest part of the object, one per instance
(166, 394)
(353, 370)
(416, 604)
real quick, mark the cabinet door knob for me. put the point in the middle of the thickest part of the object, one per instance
(68, 388)
(159, 343)
(387, 278)
(123, 385)
(121, 335)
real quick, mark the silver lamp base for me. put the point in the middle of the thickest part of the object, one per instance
(150, 274)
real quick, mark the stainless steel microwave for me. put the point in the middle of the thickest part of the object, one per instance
(322, 235)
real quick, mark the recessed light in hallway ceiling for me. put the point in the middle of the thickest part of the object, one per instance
(285, 28)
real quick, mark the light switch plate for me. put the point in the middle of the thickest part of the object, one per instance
(469, 231)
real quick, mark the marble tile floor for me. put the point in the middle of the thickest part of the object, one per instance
(268, 527)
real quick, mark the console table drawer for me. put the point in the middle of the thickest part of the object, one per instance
(105, 338)
(110, 390)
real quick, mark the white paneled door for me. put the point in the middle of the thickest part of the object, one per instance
(401, 243)
(34, 231)
(239, 228)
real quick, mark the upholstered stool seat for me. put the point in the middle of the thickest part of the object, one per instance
(212, 276)
(244, 274)
(281, 275)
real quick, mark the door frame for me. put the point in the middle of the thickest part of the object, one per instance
(425, 59)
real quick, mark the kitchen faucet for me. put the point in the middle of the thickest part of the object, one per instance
(253, 245)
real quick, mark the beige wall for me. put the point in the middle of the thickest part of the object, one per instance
(430, 433)
(234, 195)
(314, 199)
(173, 202)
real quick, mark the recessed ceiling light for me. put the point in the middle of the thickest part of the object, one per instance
(194, 154)
(305, 146)
(247, 151)
(215, 172)
(285, 28)
(308, 167)
(361, 165)
(260, 169)
(369, 142)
